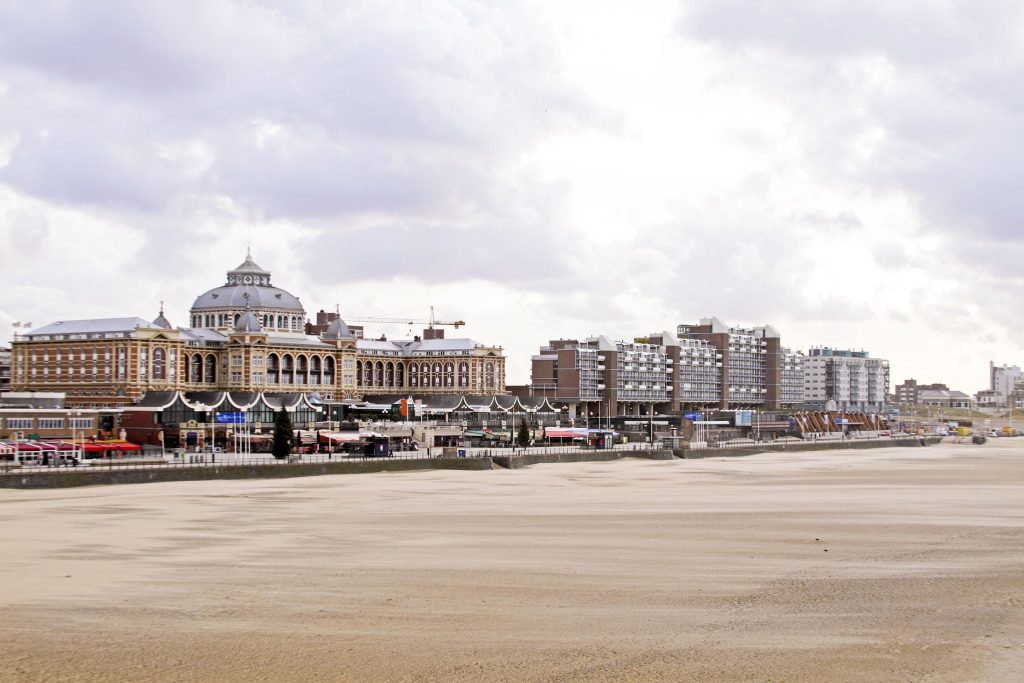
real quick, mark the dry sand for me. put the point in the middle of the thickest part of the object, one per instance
(893, 564)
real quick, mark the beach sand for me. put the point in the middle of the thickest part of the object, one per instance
(890, 564)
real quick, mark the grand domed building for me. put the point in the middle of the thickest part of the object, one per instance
(245, 347)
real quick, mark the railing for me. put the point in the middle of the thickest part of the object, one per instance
(196, 460)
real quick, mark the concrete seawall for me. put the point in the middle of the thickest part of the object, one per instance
(95, 477)
(912, 442)
(517, 461)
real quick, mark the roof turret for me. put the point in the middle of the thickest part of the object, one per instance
(337, 329)
(161, 321)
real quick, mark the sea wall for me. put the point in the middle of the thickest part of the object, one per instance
(65, 478)
(517, 461)
(851, 444)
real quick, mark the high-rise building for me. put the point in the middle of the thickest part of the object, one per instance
(840, 379)
(5, 369)
(1003, 379)
(751, 362)
(791, 378)
(600, 378)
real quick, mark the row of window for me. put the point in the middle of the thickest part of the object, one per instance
(47, 423)
(267, 320)
(394, 375)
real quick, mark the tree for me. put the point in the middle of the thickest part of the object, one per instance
(283, 434)
(523, 437)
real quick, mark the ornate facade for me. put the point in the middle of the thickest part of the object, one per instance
(246, 336)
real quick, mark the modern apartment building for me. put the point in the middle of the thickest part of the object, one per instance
(791, 378)
(600, 378)
(840, 379)
(1004, 380)
(751, 361)
(5, 369)
(700, 374)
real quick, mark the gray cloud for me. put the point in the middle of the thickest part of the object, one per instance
(945, 129)
(407, 109)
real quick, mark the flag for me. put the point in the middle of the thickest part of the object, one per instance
(17, 324)
(27, 325)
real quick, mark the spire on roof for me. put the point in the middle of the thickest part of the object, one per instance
(161, 321)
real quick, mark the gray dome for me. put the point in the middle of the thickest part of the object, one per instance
(233, 296)
(248, 322)
(161, 321)
(248, 284)
(337, 330)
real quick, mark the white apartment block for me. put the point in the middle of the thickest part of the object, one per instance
(791, 377)
(845, 380)
(700, 373)
(1003, 380)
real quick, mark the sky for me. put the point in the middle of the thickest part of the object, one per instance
(846, 171)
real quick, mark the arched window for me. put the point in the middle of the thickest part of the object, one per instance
(489, 375)
(414, 375)
(287, 369)
(378, 374)
(329, 370)
(301, 369)
(359, 373)
(425, 374)
(389, 374)
(314, 370)
(436, 379)
(210, 370)
(367, 374)
(399, 375)
(273, 368)
(449, 374)
(159, 364)
(463, 374)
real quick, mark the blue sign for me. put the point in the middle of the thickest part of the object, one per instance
(231, 418)
(692, 416)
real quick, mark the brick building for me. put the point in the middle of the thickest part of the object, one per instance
(246, 336)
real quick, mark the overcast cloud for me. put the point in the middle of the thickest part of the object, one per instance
(846, 171)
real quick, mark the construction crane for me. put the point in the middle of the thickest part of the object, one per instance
(433, 322)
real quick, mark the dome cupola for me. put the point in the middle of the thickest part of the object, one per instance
(248, 290)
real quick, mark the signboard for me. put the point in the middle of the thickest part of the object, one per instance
(743, 418)
(231, 418)
(692, 416)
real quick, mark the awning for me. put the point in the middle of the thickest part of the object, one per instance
(57, 446)
(339, 437)
(564, 434)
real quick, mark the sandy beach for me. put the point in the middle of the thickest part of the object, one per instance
(892, 564)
